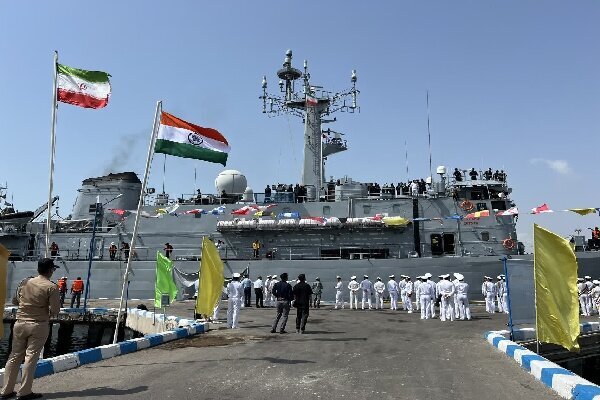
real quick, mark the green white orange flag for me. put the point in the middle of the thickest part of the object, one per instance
(183, 139)
(89, 89)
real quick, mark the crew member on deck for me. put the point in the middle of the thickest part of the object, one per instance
(54, 250)
(76, 291)
(488, 174)
(112, 251)
(457, 175)
(473, 174)
(168, 250)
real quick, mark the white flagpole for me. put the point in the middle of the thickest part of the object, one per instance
(139, 211)
(52, 153)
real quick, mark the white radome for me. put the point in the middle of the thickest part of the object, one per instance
(232, 181)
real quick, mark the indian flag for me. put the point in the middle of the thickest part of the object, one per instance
(183, 139)
(89, 89)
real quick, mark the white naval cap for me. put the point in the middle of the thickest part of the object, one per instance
(580, 279)
(392, 276)
(588, 277)
(338, 277)
(353, 277)
(596, 282)
(427, 275)
(446, 276)
(499, 277)
(488, 277)
(378, 278)
(365, 276)
(458, 276)
(274, 277)
(236, 275)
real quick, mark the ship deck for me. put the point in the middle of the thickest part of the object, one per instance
(344, 354)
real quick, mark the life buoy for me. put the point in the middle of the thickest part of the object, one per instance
(509, 243)
(466, 205)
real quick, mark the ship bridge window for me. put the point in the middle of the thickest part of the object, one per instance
(499, 205)
(482, 206)
(485, 236)
(326, 210)
(92, 209)
(366, 209)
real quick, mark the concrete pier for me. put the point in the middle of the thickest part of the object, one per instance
(345, 354)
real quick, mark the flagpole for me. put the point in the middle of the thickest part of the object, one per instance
(52, 153)
(537, 330)
(199, 275)
(139, 211)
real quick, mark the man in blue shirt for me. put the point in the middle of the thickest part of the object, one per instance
(282, 291)
(247, 285)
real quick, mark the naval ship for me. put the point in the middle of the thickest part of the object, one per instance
(323, 228)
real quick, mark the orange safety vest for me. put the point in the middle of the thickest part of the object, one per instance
(77, 286)
(62, 285)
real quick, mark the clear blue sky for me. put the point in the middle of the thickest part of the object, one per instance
(512, 84)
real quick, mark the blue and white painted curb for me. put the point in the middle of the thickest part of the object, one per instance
(65, 362)
(561, 380)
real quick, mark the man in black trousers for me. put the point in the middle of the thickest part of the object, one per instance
(302, 292)
(283, 293)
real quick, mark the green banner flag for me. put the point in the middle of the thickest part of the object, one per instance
(164, 279)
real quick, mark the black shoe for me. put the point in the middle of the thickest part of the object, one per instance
(31, 396)
(297, 330)
(302, 332)
(273, 331)
(8, 395)
(282, 331)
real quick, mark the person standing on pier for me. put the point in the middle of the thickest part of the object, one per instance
(446, 290)
(339, 294)
(408, 291)
(353, 287)
(499, 293)
(283, 292)
(462, 297)
(247, 285)
(393, 290)
(317, 288)
(62, 289)
(38, 300)
(366, 288)
(379, 288)
(425, 294)
(488, 289)
(234, 296)
(302, 293)
(258, 292)
(76, 291)
(583, 296)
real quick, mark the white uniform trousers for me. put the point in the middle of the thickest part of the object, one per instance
(590, 306)
(403, 299)
(505, 303)
(408, 303)
(425, 306)
(583, 302)
(393, 300)
(432, 307)
(456, 307)
(378, 300)
(446, 308)
(366, 297)
(216, 310)
(499, 301)
(463, 306)
(353, 298)
(233, 312)
(339, 299)
(489, 303)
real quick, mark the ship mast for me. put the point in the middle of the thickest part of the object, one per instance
(314, 105)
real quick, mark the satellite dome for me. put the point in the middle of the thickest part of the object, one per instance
(231, 181)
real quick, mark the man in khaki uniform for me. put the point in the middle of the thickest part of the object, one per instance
(38, 299)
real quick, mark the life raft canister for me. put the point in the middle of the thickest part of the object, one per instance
(466, 205)
(509, 243)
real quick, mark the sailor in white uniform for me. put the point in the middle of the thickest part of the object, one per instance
(379, 288)
(271, 295)
(408, 292)
(584, 293)
(499, 293)
(339, 296)
(353, 287)
(590, 285)
(446, 291)
(456, 305)
(425, 293)
(488, 290)
(393, 290)
(416, 288)
(462, 297)
(366, 288)
(595, 295)
(235, 292)
(401, 285)
(266, 292)
(433, 297)
(504, 294)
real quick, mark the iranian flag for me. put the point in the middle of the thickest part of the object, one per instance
(183, 139)
(89, 89)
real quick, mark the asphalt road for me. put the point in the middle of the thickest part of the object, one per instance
(345, 354)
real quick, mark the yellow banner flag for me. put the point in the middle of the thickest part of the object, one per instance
(210, 285)
(556, 296)
(4, 253)
(583, 211)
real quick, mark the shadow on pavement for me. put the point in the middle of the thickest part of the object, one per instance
(100, 391)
